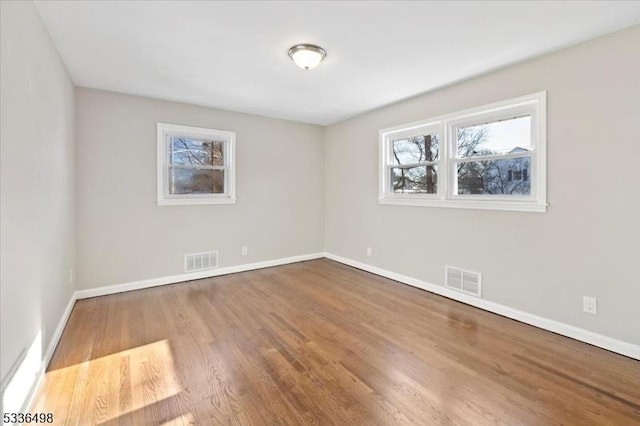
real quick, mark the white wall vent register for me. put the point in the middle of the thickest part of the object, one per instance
(200, 261)
(462, 280)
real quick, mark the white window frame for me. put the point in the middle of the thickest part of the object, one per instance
(408, 132)
(164, 133)
(445, 127)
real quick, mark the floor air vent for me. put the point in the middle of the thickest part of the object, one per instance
(465, 281)
(200, 261)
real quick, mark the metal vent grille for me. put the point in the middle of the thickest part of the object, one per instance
(200, 261)
(462, 280)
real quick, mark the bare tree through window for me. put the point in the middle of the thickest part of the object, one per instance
(415, 164)
(196, 166)
(487, 157)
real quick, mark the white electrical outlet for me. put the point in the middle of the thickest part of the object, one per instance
(368, 251)
(245, 251)
(590, 304)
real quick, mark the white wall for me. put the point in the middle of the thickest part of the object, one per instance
(541, 263)
(37, 189)
(124, 236)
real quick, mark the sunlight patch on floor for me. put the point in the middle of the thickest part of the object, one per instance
(118, 384)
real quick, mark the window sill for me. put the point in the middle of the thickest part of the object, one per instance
(195, 201)
(519, 206)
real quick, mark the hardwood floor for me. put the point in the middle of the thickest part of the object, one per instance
(322, 343)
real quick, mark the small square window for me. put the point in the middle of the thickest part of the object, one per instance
(517, 175)
(195, 165)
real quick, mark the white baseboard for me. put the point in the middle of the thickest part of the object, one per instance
(611, 344)
(608, 343)
(136, 285)
(57, 334)
(154, 282)
(39, 371)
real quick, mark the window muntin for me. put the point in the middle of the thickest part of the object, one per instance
(491, 157)
(195, 165)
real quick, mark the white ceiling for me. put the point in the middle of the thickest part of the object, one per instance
(233, 55)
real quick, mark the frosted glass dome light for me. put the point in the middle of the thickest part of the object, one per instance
(307, 56)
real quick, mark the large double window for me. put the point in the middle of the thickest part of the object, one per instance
(491, 157)
(195, 165)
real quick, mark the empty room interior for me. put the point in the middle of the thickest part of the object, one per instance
(304, 212)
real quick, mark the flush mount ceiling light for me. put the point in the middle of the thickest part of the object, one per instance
(307, 56)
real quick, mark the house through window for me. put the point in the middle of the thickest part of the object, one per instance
(489, 157)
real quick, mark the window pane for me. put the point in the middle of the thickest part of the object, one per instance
(498, 177)
(416, 149)
(414, 180)
(500, 137)
(188, 151)
(196, 181)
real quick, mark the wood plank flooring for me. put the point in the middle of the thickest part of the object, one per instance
(321, 343)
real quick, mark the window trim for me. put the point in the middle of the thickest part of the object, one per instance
(163, 130)
(533, 105)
